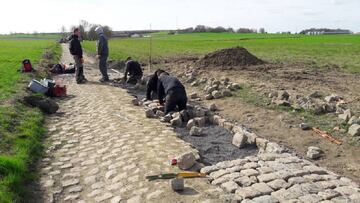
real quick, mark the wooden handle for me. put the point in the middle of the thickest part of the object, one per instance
(190, 174)
(327, 136)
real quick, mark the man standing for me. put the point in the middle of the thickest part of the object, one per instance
(76, 50)
(102, 53)
(133, 69)
(174, 91)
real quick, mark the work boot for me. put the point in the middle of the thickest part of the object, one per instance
(102, 80)
(80, 82)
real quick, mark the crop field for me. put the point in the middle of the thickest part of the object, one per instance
(322, 50)
(20, 126)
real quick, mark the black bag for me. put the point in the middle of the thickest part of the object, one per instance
(70, 70)
(51, 90)
(57, 69)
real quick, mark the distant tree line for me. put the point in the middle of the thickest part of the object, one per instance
(218, 29)
(88, 30)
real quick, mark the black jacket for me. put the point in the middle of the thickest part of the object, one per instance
(75, 46)
(167, 83)
(151, 86)
(133, 68)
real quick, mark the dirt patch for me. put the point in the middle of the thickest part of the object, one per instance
(118, 65)
(236, 56)
(282, 126)
(215, 145)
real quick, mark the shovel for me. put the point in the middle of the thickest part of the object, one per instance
(175, 175)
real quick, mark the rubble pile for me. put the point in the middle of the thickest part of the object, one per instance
(319, 105)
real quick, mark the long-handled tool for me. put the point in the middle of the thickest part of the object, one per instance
(176, 175)
(327, 136)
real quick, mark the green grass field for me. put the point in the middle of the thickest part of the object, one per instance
(32, 36)
(20, 126)
(12, 52)
(342, 50)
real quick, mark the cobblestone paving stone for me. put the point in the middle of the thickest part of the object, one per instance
(269, 177)
(101, 148)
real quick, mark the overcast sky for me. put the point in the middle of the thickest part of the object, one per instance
(273, 15)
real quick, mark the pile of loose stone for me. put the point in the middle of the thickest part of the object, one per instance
(315, 102)
(193, 116)
(214, 89)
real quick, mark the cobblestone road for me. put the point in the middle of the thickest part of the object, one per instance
(101, 147)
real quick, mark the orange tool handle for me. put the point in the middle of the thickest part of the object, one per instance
(190, 174)
(327, 136)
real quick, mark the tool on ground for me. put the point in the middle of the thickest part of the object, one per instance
(175, 175)
(327, 136)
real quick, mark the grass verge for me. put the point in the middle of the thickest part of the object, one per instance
(21, 130)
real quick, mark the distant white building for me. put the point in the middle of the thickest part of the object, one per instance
(326, 32)
(136, 36)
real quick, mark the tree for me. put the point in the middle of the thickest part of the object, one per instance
(262, 30)
(63, 32)
(92, 35)
(231, 30)
(217, 29)
(107, 31)
(200, 28)
(245, 30)
(84, 27)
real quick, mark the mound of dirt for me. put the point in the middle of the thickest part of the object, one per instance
(235, 56)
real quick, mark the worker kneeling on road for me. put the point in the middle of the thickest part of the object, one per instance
(133, 69)
(171, 88)
(151, 86)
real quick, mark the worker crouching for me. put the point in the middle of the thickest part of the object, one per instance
(170, 88)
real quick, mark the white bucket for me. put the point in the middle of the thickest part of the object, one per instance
(37, 87)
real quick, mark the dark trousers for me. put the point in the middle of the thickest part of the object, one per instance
(79, 69)
(175, 98)
(134, 79)
(103, 67)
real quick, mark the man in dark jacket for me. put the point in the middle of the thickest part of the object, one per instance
(76, 51)
(171, 88)
(151, 86)
(102, 53)
(133, 69)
